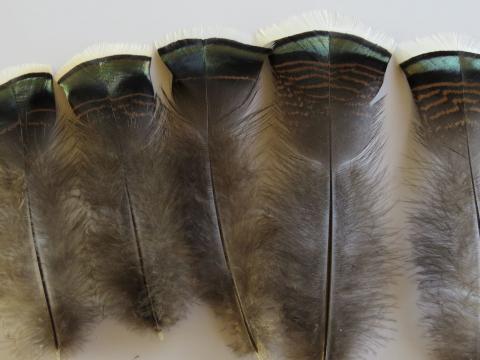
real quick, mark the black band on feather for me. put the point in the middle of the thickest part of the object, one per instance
(230, 69)
(119, 79)
(30, 94)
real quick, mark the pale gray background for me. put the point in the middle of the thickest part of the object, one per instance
(51, 31)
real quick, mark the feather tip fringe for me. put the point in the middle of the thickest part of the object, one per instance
(438, 42)
(102, 50)
(322, 20)
(13, 72)
(203, 32)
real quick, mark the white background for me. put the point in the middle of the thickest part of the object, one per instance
(51, 31)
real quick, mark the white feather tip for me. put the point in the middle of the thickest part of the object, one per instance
(16, 71)
(323, 20)
(203, 32)
(103, 50)
(439, 42)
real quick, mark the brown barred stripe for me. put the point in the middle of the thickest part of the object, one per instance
(133, 105)
(309, 65)
(446, 99)
(217, 77)
(347, 81)
(445, 88)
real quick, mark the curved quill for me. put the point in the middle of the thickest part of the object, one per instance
(445, 214)
(141, 264)
(45, 293)
(214, 91)
(327, 194)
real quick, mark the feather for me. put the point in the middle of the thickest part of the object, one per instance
(141, 266)
(45, 296)
(444, 75)
(215, 96)
(327, 233)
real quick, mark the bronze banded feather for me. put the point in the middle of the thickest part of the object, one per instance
(444, 217)
(328, 230)
(142, 266)
(214, 95)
